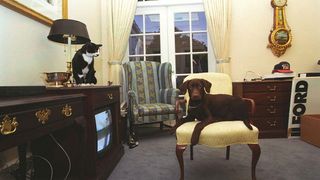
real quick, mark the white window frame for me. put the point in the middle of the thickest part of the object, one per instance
(166, 9)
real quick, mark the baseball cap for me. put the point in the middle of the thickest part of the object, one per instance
(282, 67)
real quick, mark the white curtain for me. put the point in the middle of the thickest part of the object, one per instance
(218, 15)
(119, 17)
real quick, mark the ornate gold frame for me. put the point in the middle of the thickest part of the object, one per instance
(16, 6)
(279, 25)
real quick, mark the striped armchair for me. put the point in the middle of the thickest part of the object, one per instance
(150, 95)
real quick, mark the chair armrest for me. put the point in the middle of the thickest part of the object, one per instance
(251, 106)
(169, 95)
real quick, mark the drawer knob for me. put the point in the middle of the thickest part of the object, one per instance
(110, 96)
(272, 110)
(273, 88)
(272, 99)
(43, 115)
(8, 125)
(272, 124)
(67, 110)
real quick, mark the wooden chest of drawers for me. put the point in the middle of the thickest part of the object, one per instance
(272, 100)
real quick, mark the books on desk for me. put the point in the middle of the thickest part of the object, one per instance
(276, 76)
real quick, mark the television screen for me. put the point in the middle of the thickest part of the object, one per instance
(104, 129)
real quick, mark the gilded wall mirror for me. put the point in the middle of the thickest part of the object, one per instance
(280, 36)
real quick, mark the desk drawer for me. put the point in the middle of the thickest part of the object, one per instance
(270, 123)
(102, 98)
(271, 110)
(267, 87)
(270, 97)
(39, 117)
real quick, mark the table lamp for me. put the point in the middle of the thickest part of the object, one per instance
(68, 31)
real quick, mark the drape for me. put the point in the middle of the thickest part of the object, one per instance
(119, 19)
(218, 16)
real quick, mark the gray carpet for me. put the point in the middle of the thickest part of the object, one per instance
(154, 158)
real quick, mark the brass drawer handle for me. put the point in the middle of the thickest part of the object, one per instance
(272, 88)
(67, 110)
(272, 124)
(110, 96)
(43, 115)
(8, 125)
(273, 111)
(272, 99)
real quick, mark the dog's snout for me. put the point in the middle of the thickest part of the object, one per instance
(196, 95)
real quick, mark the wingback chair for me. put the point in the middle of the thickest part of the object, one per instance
(219, 134)
(150, 95)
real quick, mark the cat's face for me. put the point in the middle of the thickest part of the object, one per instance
(91, 49)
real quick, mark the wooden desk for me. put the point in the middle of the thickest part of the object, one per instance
(37, 116)
(99, 97)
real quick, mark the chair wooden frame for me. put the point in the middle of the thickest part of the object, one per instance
(255, 148)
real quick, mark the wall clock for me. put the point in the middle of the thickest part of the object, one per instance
(280, 36)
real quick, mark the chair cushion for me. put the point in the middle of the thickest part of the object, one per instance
(219, 134)
(155, 109)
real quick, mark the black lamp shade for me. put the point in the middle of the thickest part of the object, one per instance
(73, 28)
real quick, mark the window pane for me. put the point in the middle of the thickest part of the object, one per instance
(198, 21)
(153, 44)
(183, 64)
(181, 22)
(179, 80)
(152, 23)
(154, 58)
(200, 63)
(182, 42)
(199, 42)
(136, 45)
(136, 58)
(137, 26)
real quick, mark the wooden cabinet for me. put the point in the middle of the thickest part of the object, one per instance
(272, 100)
(25, 119)
(99, 166)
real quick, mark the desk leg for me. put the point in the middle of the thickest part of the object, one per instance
(22, 152)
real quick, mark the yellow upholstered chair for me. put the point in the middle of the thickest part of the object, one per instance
(219, 134)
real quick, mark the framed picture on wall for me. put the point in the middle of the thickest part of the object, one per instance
(44, 11)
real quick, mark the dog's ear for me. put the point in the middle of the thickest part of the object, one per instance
(206, 84)
(184, 86)
(99, 45)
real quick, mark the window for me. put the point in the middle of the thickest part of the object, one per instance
(144, 41)
(172, 31)
(191, 44)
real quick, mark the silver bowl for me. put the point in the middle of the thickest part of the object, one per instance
(56, 79)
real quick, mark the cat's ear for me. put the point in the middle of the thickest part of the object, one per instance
(99, 45)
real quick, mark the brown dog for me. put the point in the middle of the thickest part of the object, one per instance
(208, 108)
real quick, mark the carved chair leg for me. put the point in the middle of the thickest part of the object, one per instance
(227, 152)
(256, 151)
(179, 153)
(191, 152)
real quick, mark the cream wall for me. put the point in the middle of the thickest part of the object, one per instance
(252, 21)
(25, 50)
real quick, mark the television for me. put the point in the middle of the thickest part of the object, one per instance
(103, 121)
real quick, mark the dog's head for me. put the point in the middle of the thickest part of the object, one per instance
(196, 88)
(91, 49)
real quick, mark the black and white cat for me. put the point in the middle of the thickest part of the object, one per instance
(83, 64)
